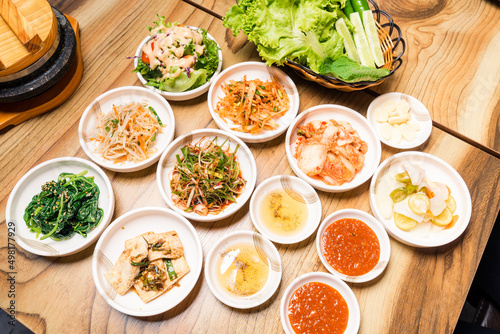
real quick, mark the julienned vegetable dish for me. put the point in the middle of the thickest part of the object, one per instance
(177, 58)
(65, 207)
(206, 178)
(334, 38)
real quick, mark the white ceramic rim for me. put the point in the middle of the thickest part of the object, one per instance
(314, 217)
(425, 126)
(375, 226)
(346, 292)
(240, 200)
(373, 144)
(401, 235)
(180, 96)
(261, 296)
(168, 133)
(267, 134)
(91, 236)
(118, 221)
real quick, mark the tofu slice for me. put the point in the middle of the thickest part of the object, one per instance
(121, 276)
(171, 246)
(181, 268)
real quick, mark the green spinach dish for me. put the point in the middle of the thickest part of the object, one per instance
(65, 207)
(337, 38)
(177, 58)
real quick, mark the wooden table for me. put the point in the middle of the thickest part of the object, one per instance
(421, 291)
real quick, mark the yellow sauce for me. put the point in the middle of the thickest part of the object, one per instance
(241, 271)
(282, 214)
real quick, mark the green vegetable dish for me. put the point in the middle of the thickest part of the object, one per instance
(177, 58)
(206, 178)
(336, 38)
(65, 207)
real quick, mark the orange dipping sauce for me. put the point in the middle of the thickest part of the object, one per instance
(318, 308)
(350, 247)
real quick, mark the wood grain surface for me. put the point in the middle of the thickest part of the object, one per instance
(421, 291)
(451, 62)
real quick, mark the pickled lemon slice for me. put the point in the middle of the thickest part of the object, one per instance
(443, 219)
(403, 222)
(451, 204)
(419, 203)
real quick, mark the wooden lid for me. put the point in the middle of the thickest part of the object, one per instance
(28, 29)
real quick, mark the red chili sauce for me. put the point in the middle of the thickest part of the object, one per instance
(317, 308)
(350, 247)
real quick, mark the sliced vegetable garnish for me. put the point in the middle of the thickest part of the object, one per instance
(170, 269)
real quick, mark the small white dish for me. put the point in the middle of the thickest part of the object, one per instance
(289, 184)
(267, 252)
(245, 159)
(179, 96)
(128, 226)
(326, 112)
(374, 225)
(346, 292)
(418, 112)
(436, 170)
(30, 185)
(119, 96)
(254, 70)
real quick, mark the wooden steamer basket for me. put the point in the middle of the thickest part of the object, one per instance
(40, 59)
(390, 38)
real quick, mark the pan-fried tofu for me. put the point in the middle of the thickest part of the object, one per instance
(122, 275)
(181, 268)
(169, 246)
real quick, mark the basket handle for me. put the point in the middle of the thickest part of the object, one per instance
(20, 26)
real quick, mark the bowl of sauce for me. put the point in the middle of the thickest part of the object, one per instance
(243, 269)
(285, 209)
(353, 245)
(319, 303)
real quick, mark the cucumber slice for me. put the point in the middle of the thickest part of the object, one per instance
(349, 45)
(365, 55)
(372, 36)
(403, 222)
(443, 219)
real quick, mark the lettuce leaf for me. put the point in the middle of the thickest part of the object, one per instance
(348, 70)
(299, 30)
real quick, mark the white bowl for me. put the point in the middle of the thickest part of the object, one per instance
(436, 170)
(179, 96)
(326, 112)
(130, 225)
(245, 159)
(285, 182)
(383, 238)
(265, 249)
(119, 96)
(346, 292)
(418, 112)
(30, 185)
(253, 70)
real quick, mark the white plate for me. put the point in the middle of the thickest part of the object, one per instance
(245, 159)
(284, 182)
(128, 226)
(326, 112)
(346, 292)
(266, 250)
(436, 170)
(418, 112)
(253, 70)
(30, 185)
(385, 244)
(119, 96)
(179, 96)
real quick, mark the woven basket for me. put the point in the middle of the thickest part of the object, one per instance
(390, 38)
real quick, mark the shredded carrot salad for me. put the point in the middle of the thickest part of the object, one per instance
(128, 132)
(253, 105)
